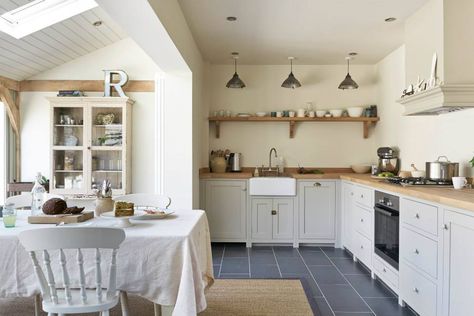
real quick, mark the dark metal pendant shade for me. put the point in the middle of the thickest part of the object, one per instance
(348, 83)
(291, 81)
(235, 82)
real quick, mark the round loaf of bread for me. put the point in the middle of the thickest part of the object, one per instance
(54, 206)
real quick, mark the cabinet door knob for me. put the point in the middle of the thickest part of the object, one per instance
(361, 220)
(416, 290)
(417, 251)
(244, 189)
(89, 147)
(352, 193)
(317, 184)
(361, 247)
(361, 196)
(445, 226)
(384, 270)
(274, 212)
(417, 216)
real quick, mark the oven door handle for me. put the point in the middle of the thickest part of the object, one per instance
(387, 212)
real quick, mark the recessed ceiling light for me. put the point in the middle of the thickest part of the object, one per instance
(97, 23)
(352, 54)
(231, 18)
(390, 19)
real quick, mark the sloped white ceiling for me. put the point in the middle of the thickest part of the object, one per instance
(55, 45)
(315, 31)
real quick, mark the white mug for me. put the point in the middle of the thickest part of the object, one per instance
(459, 182)
(291, 114)
(311, 113)
(301, 113)
(279, 114)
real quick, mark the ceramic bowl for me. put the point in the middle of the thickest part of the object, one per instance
(361, 168)
(261, 114)
(336, 113)
(320, 113)
(355, 111)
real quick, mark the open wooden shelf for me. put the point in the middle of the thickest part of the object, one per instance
(366, 121)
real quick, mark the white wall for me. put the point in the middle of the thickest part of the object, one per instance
(3, 148)
(420, 138)
(315, 144)
(35, 117)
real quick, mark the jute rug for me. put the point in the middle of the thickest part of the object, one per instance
(244, 297)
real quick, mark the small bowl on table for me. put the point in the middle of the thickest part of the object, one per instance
(320, 113)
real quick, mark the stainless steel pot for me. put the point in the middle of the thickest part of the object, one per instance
(442, 170)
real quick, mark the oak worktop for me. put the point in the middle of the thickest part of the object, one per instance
(448, 196)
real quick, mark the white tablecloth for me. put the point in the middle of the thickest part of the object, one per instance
(166, 261)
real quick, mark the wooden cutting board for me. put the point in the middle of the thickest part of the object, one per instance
(55, 219)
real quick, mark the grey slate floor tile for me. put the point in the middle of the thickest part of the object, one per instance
(367, 287)
(235, 265)
(343, 298)
(264, 271)
(348, 266)
(388, 307)
(327, 275)
(315, 258)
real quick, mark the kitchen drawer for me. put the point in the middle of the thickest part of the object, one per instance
(363, 249)
(364, 196)
(418, 292)
(420, 215)
(385, 271)
(363, 222)
(419, 250)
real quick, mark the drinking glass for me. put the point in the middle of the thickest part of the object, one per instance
(9, 216)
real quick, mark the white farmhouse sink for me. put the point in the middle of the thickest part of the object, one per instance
(272, 186)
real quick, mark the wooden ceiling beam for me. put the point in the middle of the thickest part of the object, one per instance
(13, 111)
(10, 83)
(83, 85)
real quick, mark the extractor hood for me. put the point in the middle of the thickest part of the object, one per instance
(439, 100)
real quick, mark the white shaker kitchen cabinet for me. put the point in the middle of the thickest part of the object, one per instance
(272, 219)
(458, 260)
(225, 203)
(283, 219)
(317, 210)
(262, 210)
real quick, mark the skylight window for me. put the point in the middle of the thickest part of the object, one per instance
(39, 14)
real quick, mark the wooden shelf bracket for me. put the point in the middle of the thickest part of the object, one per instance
(292, 129)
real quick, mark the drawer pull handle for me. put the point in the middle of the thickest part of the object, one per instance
(445, 226)
(317, 184)
(384, 270)
(361, 247)
(417, 252)
(361, 196)
(244, 189)
(417, 216)
(416, 290)
(361, 220)
(352, 193)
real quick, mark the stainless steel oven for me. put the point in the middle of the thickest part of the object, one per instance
(387, 227)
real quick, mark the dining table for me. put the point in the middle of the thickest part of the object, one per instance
(167, 261)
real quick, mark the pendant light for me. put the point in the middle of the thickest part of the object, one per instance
(235, 82)
(291, 81)
(348, 83)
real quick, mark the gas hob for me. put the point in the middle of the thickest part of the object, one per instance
(412, 181)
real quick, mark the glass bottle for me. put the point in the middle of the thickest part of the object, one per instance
(37, 193)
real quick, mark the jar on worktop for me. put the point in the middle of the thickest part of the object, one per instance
(218, 164)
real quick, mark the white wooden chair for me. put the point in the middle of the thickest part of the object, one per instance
(64, 300)
(24, 200)
(144, 199)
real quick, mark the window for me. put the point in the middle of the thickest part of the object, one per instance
(39, 14)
